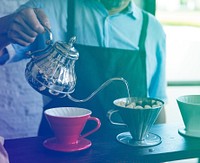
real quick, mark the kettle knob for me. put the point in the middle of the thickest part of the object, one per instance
(72, 41)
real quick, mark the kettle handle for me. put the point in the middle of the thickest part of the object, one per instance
(48, 42)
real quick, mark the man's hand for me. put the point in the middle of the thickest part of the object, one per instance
(22, 27)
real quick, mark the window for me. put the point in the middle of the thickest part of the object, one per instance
(181, 22)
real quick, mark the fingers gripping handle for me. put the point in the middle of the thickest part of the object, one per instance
(49, 42)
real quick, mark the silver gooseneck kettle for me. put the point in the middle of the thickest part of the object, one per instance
(51, 70)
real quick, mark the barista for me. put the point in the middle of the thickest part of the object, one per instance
(114, 38)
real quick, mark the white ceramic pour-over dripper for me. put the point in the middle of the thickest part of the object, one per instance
(189, 106)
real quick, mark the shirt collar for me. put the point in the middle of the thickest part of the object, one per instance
(133, 10)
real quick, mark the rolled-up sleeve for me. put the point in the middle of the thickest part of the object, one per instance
(8, 55)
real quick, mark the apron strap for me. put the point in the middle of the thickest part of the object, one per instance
(70, 19)
(141, 45)
(143, 33)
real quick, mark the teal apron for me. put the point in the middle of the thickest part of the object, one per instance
(98, 64)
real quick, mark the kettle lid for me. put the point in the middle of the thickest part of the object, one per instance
(67, 48)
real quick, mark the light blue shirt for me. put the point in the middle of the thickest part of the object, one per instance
(95, 27)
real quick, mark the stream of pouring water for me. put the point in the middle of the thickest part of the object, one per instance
(106, 83)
